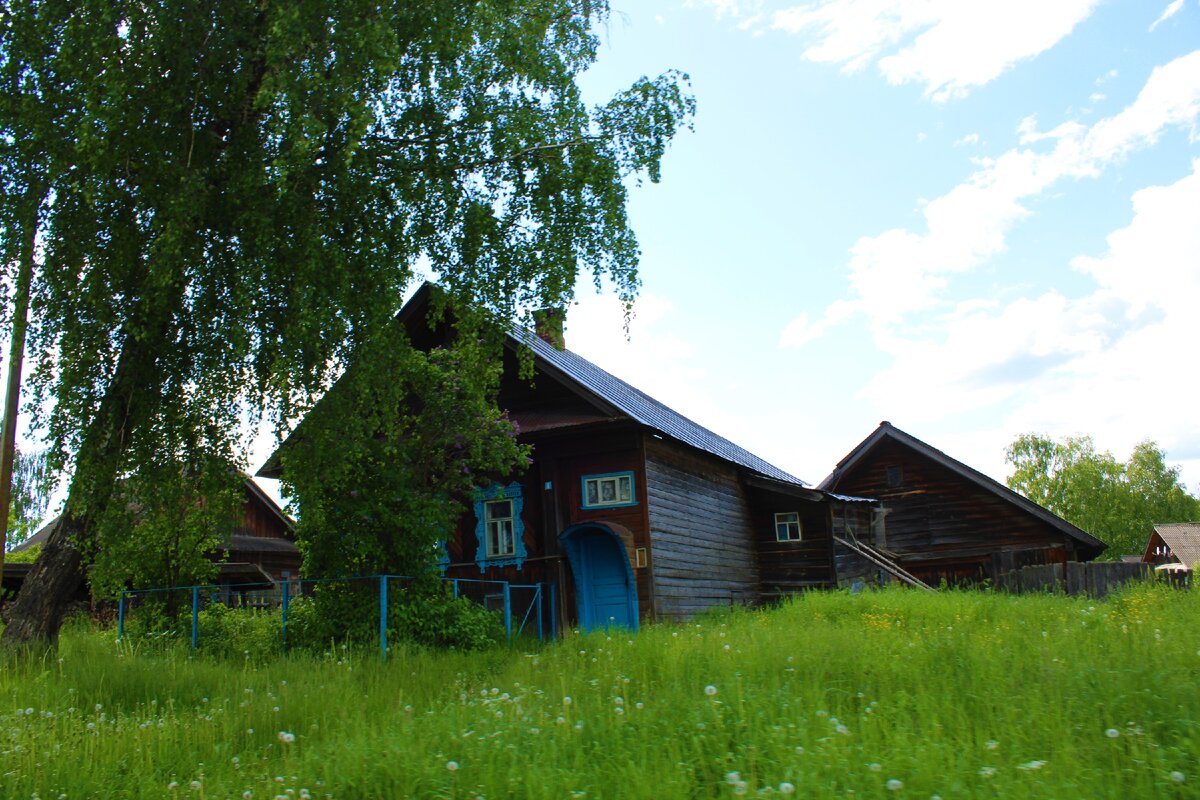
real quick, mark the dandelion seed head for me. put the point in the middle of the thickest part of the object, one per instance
(452, 766)
(895, 785)
(787, 788)
(247, 795)
(991, 744)
(875, 767)
(287, 737)
(196, 786)
(172, 786)
(1112, 733)
(1178, 776)
(987, 772)
(710, 690)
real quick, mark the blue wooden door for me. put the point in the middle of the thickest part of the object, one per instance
(605, 593)
(608, 588)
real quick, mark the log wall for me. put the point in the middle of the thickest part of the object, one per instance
(701, 532)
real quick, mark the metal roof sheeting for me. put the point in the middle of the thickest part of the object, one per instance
(642, 408)
(1184, 540)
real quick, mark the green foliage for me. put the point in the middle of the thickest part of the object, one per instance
(32, 485)
(240, 633)
(424, 614)
(958, 694)
(241, 197)
(382, 468)
(1118, 503)
(170, 519)
(437, 619)
(26, 556)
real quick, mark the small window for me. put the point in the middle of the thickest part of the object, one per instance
(498, 528)
(895, 475)
(787, 526)
(607, 491)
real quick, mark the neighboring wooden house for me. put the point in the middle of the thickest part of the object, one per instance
(943, 520)
(632, 510)
(1174, 543)
(261, 548)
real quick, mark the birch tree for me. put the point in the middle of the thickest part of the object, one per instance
(231, 195)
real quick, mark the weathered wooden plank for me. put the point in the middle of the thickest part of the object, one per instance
(701, 532)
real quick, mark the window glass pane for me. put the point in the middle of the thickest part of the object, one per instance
(608, 490)
(593, 493)
(499, 509)
(626, 489)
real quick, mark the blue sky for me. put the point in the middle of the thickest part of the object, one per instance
(972, 219)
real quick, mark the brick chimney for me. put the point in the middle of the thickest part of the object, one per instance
(548, 324)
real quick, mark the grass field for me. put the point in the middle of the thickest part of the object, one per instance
(889, 694)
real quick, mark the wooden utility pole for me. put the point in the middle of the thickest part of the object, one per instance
(16, 359)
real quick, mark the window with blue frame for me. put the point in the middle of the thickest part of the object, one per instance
(498, 527)
(611, 490)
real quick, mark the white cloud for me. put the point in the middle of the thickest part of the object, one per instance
(949, 46)
(899, 272)
(970, 138)
(653, 358)
(1174, 8)
(1114, 362)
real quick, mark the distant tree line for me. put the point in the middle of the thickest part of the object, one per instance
(1117, 502)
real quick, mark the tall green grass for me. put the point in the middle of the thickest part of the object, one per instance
(890, 694)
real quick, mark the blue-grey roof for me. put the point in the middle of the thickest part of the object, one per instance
(642, 408)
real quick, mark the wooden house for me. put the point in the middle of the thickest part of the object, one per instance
(259, 550)
(630, 509)
(1174, 543)
(944, 521)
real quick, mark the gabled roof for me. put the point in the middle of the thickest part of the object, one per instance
(1184, 540)
(252, 490)
(606, 392)
(618, 397)
(887, 431)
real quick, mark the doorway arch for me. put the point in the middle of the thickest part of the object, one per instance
(605, 589)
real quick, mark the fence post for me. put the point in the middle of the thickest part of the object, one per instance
(286, 583)
(539, 613)
(456, 588)
(195, 616)
(383, 605)
(553, 612)
(508, 610)
(121, 616)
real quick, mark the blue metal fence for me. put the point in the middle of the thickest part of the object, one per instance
(526, 608)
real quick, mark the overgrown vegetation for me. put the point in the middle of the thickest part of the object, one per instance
(887, 694)
(1118, 503)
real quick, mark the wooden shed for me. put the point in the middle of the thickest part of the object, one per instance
(943, 520)
(1174, 543)
(261, 547)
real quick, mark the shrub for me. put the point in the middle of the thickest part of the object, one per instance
(240, 632)
(437, 619)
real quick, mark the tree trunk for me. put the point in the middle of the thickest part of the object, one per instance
(37, 612)
(16, 355)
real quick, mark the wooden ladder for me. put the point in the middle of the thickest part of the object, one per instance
(883, 562)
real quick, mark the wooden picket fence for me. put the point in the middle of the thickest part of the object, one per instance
(1094, 578)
